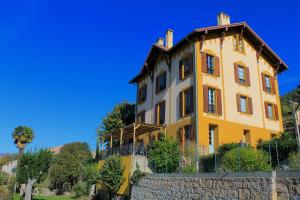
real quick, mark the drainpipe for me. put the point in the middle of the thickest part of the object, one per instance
(136, 101)
(196, 104)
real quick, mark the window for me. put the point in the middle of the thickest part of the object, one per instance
(141, 116)
(210, 135)
(243, 103)
(247, 137)
(211, 100)
(160, 113)
(241, 74)
(238, 44)
(142, 96)
(271, 111)
(186, 102)
(189, 135)
(268, 84)
(186, 67)
(161, 82)
(210, 64)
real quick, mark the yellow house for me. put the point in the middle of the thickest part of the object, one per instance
(217, 85)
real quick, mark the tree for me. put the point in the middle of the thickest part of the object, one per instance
(245, 159)
(33, 168)
(164, 155)
(69, 165)
(22, 135)
(111, 174)
(122, 115)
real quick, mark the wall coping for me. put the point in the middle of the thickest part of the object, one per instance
(257, 174)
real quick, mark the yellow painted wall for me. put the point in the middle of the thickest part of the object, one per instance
(231, 124)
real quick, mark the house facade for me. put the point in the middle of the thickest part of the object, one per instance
(217, 85)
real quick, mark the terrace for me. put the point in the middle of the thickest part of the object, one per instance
(123, 141)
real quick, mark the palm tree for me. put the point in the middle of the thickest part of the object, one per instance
(22, 135)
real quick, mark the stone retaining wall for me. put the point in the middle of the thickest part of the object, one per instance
(233, 186)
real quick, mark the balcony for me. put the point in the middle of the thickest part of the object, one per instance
(129, 134)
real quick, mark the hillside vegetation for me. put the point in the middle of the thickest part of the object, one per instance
(287, 112)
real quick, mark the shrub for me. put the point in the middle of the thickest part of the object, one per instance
(245, 159)
(137, 176)
(111, 174)
(294, 161)
(190, 169)
(286, 144)
(4, 193)
(81, 189)
(164, 155)
(3, 178)
(208, 163)
(224, 148)
(11, 185)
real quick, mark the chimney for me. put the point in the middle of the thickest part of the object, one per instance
(160, 41)
(223, 19)
(169, 38)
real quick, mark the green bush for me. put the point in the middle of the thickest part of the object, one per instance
(245, 159)
(3, 178)
(137, 176)
(224, 148)
(4, 193)
(208, 163)
(11, 185)
(294, 161)
(164, 155)
(286, 144)
(81, 189)
(111, 174)
(190, 169)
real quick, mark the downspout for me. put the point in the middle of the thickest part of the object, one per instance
(196, 104)
(136, 101)
(170, 90)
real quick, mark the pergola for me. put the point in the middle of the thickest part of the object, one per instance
(131, 131)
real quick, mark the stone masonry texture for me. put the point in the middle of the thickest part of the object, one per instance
(233, 186)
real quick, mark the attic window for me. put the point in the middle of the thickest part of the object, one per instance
(238, 44)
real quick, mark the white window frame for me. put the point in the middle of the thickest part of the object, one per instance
(270, 111)
(243, 104)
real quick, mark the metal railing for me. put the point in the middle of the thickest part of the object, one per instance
(211, 108)
(124, 150)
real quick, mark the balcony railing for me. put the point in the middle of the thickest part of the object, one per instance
(124, 150)
(211, 108)
(210, 70)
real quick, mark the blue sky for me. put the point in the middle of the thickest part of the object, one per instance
(65, 63)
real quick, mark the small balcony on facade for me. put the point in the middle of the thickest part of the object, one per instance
(134, 139)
